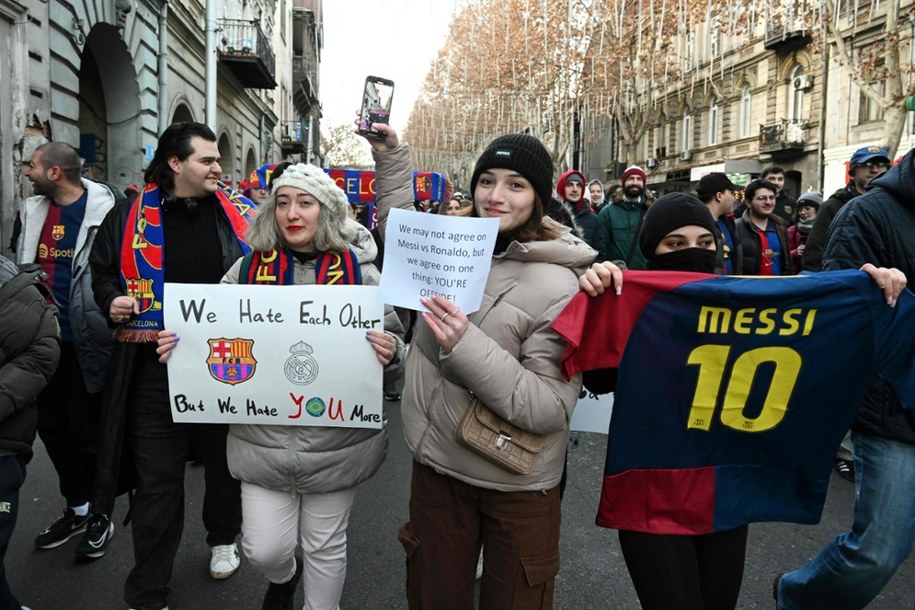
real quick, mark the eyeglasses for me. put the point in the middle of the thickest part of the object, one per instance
(876, 165)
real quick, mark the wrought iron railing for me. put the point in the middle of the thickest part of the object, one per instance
(783, 134)
(244, 39)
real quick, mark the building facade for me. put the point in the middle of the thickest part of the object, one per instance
(772, 95)
(107, 76)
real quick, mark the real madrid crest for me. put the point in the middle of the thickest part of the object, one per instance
(301, 368)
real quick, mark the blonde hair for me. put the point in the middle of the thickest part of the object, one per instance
(334, 232)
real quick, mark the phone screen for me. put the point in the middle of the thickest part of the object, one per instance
(376, 104)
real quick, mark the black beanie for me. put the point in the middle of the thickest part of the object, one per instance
(672, 211)
(521, 153)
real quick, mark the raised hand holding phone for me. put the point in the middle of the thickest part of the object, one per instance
(376, 105)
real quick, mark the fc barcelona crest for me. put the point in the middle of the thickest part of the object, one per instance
(57, 232)
(231, 360)
(142, 290)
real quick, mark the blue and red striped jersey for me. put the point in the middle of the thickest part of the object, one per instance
(56, 250)
(733, 393)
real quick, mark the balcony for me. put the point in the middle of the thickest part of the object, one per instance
(305, 85)
(787, 38)
(293, 137)
(245, 50)
(784, 139)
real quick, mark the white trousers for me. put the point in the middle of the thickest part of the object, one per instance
(274, 522)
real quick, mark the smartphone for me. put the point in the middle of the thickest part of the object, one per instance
(376, 105)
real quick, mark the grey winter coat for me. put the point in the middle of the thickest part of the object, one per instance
(314, 459)
(29, 352)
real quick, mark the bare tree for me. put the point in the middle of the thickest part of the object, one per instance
(882, 69)
(344, 148)
(508, 66)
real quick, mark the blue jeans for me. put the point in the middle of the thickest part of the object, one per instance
(851, 570)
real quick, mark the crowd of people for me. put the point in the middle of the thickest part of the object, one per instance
(95, 387)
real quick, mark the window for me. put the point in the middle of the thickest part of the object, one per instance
(713, 123)
(868, 108)
(689, 51)
(714, 38)
(745, 113)
(686, 141)
(796, 95)
(661, 139)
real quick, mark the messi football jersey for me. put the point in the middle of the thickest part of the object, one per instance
(733, 393)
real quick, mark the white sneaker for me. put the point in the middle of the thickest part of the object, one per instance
(224, 560)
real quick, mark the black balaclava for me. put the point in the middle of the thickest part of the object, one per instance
(668, 213)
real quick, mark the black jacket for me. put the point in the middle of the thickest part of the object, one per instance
(812, 260)
(589, 225)
(114, 473)
(735, 255)
(879, 227)
(751, 249)
(785, 207)
(29, 353)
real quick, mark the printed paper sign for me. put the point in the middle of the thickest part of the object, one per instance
(429, 254)
(592, 413)
(280, 355)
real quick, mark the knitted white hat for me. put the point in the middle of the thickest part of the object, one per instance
(315, 181)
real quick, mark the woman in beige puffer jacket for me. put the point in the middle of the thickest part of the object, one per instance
(505, 355)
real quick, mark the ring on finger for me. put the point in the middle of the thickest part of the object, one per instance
(446, 314)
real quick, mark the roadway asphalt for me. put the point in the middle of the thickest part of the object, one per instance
(593, 574)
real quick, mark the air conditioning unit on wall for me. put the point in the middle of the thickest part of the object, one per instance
(686, 155)
(803, 83)
(651, 162)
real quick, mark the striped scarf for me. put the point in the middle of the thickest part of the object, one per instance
(277, 268)
(143, 255)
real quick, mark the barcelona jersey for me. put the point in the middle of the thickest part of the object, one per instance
(56, 251)
(733, 393)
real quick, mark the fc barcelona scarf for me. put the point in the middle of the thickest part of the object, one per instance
(277, 267)
(142, 256)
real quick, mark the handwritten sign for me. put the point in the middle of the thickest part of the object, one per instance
(279, 355)
(428, 254)
(592, 413)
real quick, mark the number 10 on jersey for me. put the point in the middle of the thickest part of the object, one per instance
(712, 362)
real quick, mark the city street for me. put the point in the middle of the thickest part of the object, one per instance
(593, 574)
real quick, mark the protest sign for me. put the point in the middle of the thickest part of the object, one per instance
(592, 413)
(279, 355)
(428, 254)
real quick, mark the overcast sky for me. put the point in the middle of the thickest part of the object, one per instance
(356, 45)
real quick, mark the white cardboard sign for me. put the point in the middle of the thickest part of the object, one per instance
(592, 413)
(279, 355)
(431, 254)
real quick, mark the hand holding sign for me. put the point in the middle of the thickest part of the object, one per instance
(428, 255)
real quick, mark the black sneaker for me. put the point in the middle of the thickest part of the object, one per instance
(778, 579)
(392, 396)
(63, 529)
(846, 470)
(95, 540)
